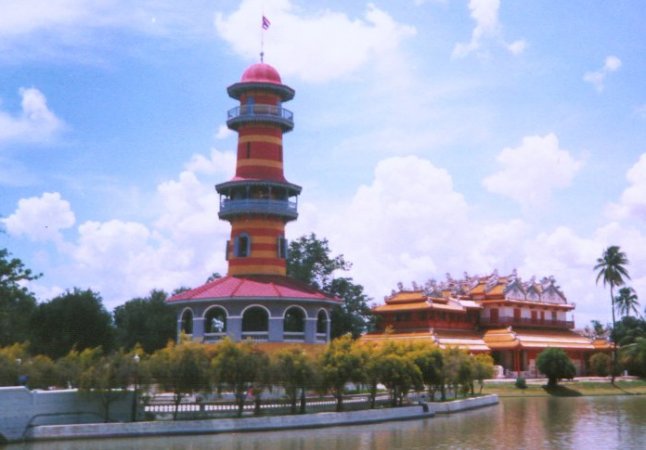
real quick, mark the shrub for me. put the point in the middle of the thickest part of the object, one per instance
(521, 383)
(555, 364)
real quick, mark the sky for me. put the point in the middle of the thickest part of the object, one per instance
(431, 137)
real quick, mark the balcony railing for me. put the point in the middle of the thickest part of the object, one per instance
(283, 208)
(293, 336)
(272, 113)
(508, 320)
(257, 336)
(214, 337)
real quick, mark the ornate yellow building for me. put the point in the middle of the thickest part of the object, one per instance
(511, 319)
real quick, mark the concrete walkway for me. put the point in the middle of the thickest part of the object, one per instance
(160, 428)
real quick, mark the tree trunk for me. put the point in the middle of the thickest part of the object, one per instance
(303, 401)
(614, 344)
(339, 401)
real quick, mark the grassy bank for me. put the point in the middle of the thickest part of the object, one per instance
(567, 389)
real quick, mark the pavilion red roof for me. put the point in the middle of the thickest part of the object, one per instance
(252, 286)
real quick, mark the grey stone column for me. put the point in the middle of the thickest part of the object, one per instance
(198, 328)
(234, 328)
(179, 329)
(276, 329)
(310, 330)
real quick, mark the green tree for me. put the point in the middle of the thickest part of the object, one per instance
(399, 374)
(634, 357)
(17, 304)
(148, 321)
(239, 367)
(295, 371)
(482, 368)
(11, 359)
(108, 378)
(181, 369)
(430, 361)
(596, 330)
(70, 367)
(555, 364)
(75, 319)
(612, 271)
(341, 364)
(628, 329)
(600, 364)
(626, 301)
(309, 261)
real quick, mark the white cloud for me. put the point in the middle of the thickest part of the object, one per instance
(598, 77)
(41, 218)
(66, 29)
(532, 171)
(223, 132)
(485, 15)
(35, 122)
(319, 47)
(401, 227)
(632, 203)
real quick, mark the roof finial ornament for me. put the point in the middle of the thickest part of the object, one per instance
(262, 57)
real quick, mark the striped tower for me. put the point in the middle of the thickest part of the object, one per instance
(259, 201)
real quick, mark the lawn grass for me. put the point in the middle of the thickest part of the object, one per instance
(567, 389)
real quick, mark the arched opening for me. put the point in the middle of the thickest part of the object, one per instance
(187, 322)
(321, 326)
(294, 324)
(215, 323)
(255, 323)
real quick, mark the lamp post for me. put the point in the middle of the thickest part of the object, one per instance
(136, 359)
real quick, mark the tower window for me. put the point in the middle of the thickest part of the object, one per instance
(226, 250)
(248, 150)
(242, 245)
(282, 247)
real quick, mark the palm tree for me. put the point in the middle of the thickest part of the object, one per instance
(612, 272)
(626, 301)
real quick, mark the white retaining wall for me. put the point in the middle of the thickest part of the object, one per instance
(19, 406)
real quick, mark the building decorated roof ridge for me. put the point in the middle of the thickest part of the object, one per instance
(493, 285)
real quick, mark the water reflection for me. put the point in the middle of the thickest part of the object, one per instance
(523, 423)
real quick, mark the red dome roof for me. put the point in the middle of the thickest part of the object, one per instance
(261, 73)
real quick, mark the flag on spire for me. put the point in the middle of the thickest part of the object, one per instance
(265, 23)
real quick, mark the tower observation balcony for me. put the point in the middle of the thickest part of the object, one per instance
(245, 114)
(234, 207)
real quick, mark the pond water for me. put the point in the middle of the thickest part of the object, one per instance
(517, 423)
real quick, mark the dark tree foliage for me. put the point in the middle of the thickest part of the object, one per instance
(17, 304)
(148, 321)
(628, 329)
(73, 320)
(309, 260)
(353, 315)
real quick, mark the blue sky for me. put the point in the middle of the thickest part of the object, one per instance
(431, 137)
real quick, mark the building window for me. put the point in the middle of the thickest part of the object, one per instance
(215, 320)
(255, 319)
(321, 322)
(294, 321)
(282, 247)
(187, 322)
(242, 245)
